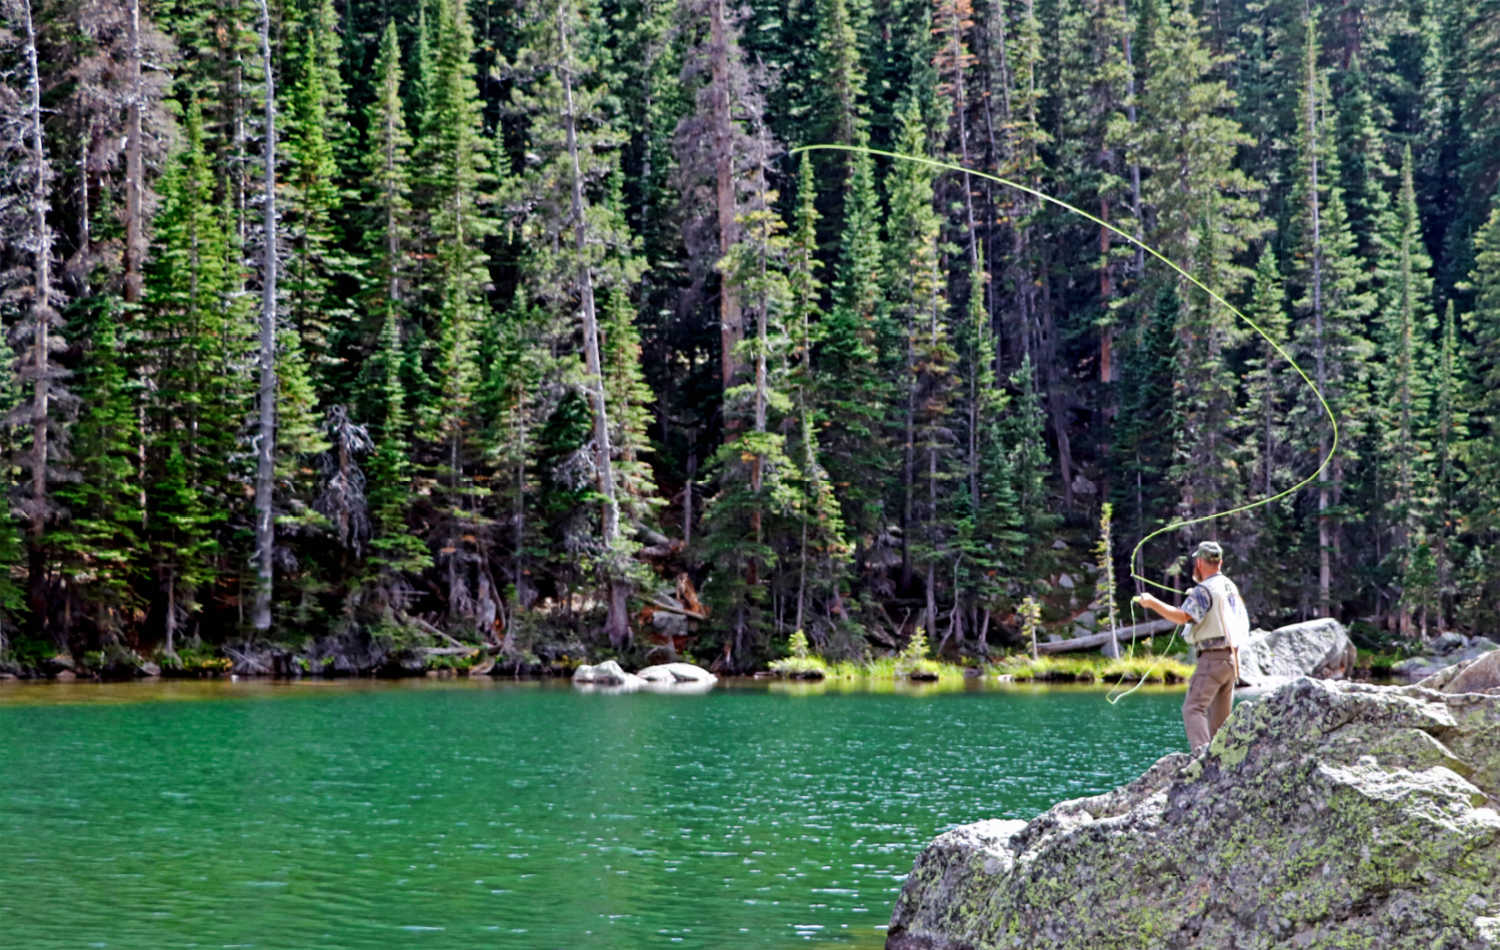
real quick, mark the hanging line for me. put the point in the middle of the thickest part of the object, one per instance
(1185, 522)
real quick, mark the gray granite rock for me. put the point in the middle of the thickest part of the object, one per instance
(1445, 651)
(607, 674)
(1479, 675)
(1319, 648)
(1326, 815)
(676, 673)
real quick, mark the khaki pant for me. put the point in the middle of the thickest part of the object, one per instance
(1209, 697)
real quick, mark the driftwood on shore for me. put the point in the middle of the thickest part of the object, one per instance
(1095, 640)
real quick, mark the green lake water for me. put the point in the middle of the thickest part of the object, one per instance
(479, 815)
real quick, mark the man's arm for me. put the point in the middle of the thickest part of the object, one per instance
(1175, 614)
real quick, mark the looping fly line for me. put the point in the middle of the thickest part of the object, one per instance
(1136, 242)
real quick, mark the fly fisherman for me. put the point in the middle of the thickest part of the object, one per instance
(1216, 621)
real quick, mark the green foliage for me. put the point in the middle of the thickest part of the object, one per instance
(925, 355)
(800, 663)
(1094, 669)
(913, 661)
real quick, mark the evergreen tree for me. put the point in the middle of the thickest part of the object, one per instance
(389, 238)
(822, 559)
(1331, 300)
(315, 259)
(1404, 398)
(100, 543)
(986, 520)
(1450, 411)
(197, 343)
(851, 395)
(746, 522)
(1141, 454)
(1270, 387)
(456, 178)
(1483, 447)
(915, 295)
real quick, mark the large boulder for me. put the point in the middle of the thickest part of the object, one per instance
(677, 678)
(670, 673)
(1446, 650)
(1326, 815)
(1320, 648)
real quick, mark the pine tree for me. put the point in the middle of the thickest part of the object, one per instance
(1269, 385)
(100, 544)
(1105, 604)
(1024, 432)
(1405, 395)
(1331, 300)
(917, 298)
(986, 520)
(1140, 455)
(850, 393)
(389, 239)
(313, 198)
(197, 341)
(1450, 411)
(1483, 447)
(584, 263)
(746, 521)
(1205, 217)
(822, 559)
(456, 182)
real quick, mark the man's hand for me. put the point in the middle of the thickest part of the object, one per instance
(1163, 609)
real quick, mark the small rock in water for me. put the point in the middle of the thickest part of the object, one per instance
(607, 674)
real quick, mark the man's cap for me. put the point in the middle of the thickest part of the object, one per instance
(1209, 551)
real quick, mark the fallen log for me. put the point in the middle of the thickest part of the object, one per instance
(1095, 640)
(659, 604)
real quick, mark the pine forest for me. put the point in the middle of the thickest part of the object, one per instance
(507, 323)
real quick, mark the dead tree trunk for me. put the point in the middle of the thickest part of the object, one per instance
(265, 531)
(617, 623)
(135, 240)
(42, 315)
(731, 326)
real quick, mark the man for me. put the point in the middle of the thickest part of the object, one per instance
(1215, 616)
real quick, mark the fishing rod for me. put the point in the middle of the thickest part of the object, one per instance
(1142, 245)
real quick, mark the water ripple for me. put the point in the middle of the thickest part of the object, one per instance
(469, 815)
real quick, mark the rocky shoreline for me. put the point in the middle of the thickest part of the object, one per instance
(1325, 814)
(330, 657)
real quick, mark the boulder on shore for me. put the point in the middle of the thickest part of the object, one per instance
(1326, 815)
(1445, 651)
(1479, 675)
(1319, 648)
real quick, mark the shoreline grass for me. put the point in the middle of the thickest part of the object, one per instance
(913, 664)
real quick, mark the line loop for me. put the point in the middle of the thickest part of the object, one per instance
(1185, 522)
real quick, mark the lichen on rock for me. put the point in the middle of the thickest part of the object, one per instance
(1326, 815)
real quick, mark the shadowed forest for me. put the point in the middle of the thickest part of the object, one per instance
(504, 321)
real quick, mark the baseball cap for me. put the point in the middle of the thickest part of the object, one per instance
(1209, 551)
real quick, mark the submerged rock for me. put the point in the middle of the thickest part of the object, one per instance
(1320, 648)
(1326, 815)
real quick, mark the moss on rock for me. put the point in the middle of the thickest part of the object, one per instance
(1326, 815)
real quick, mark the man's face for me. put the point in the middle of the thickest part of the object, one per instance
(1200, 569)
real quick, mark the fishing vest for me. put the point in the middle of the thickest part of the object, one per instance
(1225, 617)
